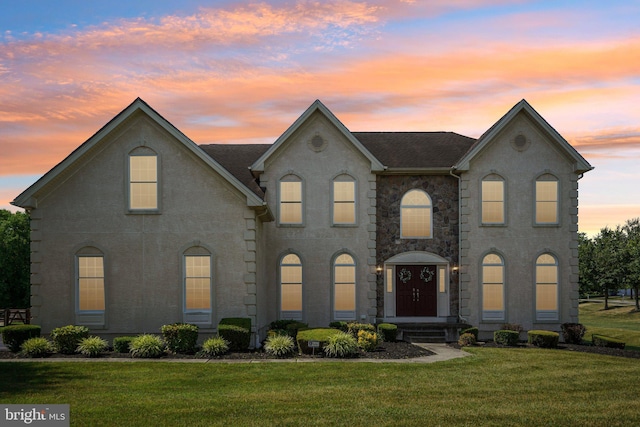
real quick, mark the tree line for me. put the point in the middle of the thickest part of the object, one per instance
(610, 261)
(15, 248)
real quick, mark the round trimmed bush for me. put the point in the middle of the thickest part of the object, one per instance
(474, 331)
(388, 332)
(341, 344)
(544, 339)
(180, 337)
(467, 339)
(146, 346)
(214, 347)
(315, 334)
(280, 345)
(121, 344)
(368, 341)
(573, 332)
(67, 338)
(506, 337)
(36, 347)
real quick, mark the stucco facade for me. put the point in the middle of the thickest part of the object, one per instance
(219, 240)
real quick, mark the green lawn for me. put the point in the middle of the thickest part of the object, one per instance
(620, 322)
(495, 387)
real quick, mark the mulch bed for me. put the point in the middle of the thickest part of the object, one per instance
(396, 350)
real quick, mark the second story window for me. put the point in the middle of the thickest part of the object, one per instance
(143, 182)
(415, 215)
(344, 200)
(493, 200)
(547, 199)
(291, 200)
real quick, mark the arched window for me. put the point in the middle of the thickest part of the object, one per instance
(547, 199)
(415, 215)
(291, 287)
(546, 287)
(493, 287)
(198, 285)
(493, 200)
(143, 180)
(290, 200)
(344, 288)
(344, 200)
(90, 287)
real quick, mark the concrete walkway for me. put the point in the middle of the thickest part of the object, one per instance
(441, 352)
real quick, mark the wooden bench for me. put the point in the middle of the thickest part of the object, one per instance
(14, 315)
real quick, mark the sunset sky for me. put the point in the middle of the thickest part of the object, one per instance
(241, 72)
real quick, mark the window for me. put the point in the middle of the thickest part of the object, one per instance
(547, 199)
(143, 182)
(198, 284)
(90, 288)
(344, 288)
(415, 215)
(493, 200)
(546, 287)
(291, 287)
(291, 200)
(90, 283)
(492, 287)
(344, 200)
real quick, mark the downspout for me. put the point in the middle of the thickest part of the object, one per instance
(459, 241)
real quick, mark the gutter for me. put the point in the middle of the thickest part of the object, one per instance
(459, 243)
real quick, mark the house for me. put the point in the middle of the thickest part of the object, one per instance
(140, 227)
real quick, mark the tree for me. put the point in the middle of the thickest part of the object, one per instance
(632, 248)
(14, 259)
(609, 260)
(587, 277)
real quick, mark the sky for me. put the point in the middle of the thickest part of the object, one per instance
(243, 72)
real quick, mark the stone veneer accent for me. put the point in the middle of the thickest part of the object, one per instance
(443, 190)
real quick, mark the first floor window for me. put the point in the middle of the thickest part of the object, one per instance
(90, 283)
(546, 287)
(291, 287)
(344, 278)
(197, 282)
(492, 287)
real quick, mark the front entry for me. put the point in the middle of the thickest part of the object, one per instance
(416, 290)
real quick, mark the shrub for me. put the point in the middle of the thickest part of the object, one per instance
(37, 347)
(146, 346)
(121, 344)
(280, 345)
(341, 344)
(354, 327)
(544, 339)
(237, 336)
(602, 341)
(214, 347)
(368, 341)
(92, 346)
(506, 337)
(243, 322)
(13, 336)
(467, 339)
(473, 331)
(573, 332)
(316, 334)
(343, 326)
(180, 337)
(282, 324)
(67, 338)
(388, 332)
(512, 327)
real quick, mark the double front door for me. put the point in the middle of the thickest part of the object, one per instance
(416, 290)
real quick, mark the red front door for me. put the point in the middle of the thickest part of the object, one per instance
(416, 290)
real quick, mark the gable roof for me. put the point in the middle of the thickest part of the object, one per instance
(317, 106)
(28, 198)
(236, 158)
(404, 151)
(523, 107)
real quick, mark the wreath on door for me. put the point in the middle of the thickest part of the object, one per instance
(426, 274)
(404, 275)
